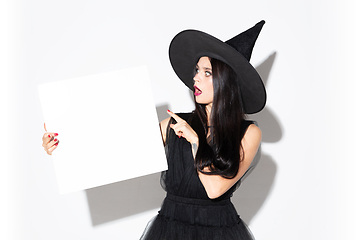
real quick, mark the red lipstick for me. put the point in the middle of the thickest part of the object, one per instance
(197, 91)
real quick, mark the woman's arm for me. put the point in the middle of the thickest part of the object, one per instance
(163, 125)
(216, 185)
(183, 129)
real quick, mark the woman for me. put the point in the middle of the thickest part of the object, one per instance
(211, 149)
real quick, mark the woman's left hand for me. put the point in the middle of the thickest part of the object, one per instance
(183, 129)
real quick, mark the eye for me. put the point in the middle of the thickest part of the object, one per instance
(207, 73)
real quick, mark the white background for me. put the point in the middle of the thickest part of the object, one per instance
(306, 185)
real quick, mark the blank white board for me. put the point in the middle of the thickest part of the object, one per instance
(108, 128)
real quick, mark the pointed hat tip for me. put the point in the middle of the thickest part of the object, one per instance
(262, 22)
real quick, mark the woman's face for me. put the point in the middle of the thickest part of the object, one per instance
(203, 84)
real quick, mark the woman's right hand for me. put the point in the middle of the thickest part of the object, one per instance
(50, 141)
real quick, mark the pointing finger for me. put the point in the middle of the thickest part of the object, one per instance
(173, 115)
(178, 132)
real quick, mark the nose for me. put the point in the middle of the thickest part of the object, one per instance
(196, 77)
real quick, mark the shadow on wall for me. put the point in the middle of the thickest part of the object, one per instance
(253, 192)
(118, 200)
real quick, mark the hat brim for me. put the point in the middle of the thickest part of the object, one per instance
(188, 46)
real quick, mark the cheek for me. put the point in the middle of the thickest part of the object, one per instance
(209, 91)
(210, 87)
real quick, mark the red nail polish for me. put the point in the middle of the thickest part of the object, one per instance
(56, 144)
(55, 134)
(55, 139)
(168, 110)
(49, 136)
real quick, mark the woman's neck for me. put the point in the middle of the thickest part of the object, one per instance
(208, 113)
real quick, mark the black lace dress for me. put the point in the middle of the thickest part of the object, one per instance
(187, 213)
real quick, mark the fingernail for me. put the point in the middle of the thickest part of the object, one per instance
(55, 134)
(49, 136)
(168, 110)
(55, 139)
(56, 143)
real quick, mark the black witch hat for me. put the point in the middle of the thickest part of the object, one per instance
(188, 46)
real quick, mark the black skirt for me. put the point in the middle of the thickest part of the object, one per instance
(196, 219)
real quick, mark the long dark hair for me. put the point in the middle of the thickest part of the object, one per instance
(221, 151)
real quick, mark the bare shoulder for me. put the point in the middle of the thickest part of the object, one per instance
(252, 137)
(250, 145)
(163, 126)
(253, 131)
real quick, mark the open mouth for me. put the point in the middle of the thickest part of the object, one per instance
(197, 91)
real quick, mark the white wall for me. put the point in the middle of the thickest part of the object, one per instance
(306, 185)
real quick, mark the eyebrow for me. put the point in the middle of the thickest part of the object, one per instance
(206, 68)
